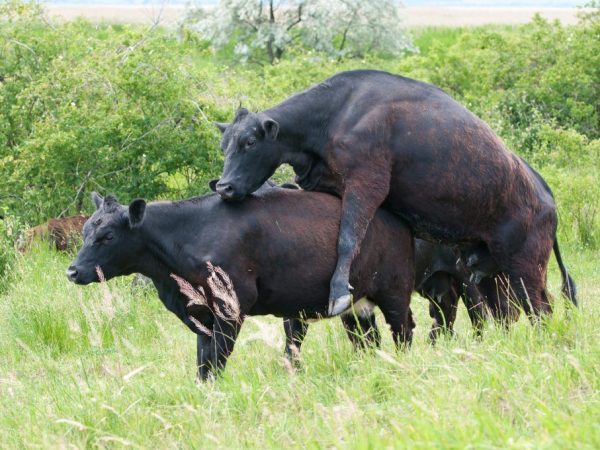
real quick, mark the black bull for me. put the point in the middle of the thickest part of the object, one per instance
(278, 249)
(381, 139)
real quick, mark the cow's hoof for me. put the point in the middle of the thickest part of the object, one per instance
(339, 305)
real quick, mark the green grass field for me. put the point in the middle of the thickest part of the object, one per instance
(108, 366)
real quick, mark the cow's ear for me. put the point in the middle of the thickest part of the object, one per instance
(271, 128)
(212, 184)
(221, 126)
(137, 210)
(97, 200)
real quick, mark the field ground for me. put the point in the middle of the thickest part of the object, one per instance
(414, 15)
(108, 366)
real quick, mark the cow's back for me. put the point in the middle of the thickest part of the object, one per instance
(287, 241)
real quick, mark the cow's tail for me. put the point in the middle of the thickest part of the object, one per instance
(569, 289)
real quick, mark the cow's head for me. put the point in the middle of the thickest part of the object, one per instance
(252, 153)
(110, 240)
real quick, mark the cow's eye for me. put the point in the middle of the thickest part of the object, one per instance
(104, 238)
(251, 141)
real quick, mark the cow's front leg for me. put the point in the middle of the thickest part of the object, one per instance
(224, 335)
(362, 196)
(203, 349)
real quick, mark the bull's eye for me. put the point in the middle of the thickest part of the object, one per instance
(251, 141)
(108, 237)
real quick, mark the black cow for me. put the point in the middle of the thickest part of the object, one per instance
(387, 140)
(439, 277)
(278, 249)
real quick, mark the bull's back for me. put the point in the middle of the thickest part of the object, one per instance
(447, 164)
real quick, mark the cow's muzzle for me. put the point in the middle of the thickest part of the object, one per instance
(72, 274)
(228, 192)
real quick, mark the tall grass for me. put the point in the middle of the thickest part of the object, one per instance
(108, 366)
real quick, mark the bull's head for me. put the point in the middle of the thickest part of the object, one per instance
(109, 241)
(252, 153)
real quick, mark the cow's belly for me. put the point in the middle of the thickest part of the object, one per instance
(307, 306)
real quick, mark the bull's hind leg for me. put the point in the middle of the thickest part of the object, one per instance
(295, 332)
(497, 297)
(525, 270)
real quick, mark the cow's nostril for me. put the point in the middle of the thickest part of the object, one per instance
(225, 190)
(72, 273)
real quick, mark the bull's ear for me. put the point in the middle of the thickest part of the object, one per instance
(212, 184)
(97, 200)
(271, 128)
(137, 210)
(221, 126)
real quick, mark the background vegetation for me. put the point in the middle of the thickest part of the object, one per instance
(128, 110)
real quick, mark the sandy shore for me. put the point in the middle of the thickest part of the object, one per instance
(414, 16)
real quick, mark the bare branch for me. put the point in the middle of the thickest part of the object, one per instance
(297, 21)
(79, 191)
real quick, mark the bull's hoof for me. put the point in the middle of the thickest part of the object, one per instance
(339, 305)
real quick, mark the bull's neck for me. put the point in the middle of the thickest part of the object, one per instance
(304, 121)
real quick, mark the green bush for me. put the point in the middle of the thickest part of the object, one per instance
(8, 253)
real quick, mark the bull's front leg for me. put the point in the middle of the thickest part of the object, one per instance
(364, 192)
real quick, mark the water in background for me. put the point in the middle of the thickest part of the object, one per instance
(467, 3)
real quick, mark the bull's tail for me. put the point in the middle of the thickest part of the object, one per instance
(569, 289)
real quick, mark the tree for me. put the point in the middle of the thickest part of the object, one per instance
(340, 28)
(354, 28)
(256, 25)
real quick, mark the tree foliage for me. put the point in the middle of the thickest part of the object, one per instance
(265, 29)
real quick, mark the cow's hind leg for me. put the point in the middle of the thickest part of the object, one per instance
(443, 302)
(295, 332)
(398, 315)
(362, 329)
(475, 304)
(442, 309)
